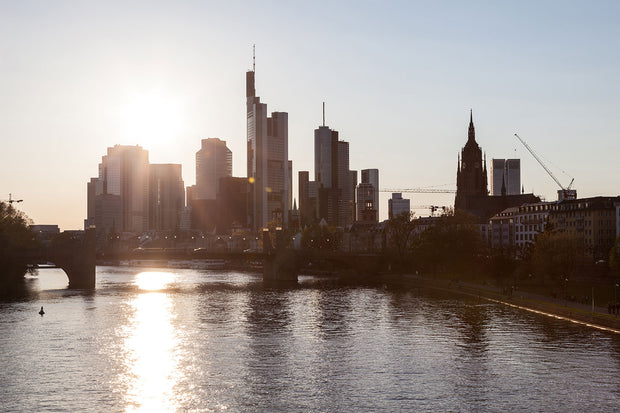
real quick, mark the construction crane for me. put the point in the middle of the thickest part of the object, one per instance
(420, 191)
(11, 200)
(563, 193)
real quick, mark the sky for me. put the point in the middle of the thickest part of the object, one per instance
(398, 79)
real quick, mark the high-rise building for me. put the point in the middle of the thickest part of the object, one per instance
(397, 205)
(333, 177)
(370, 177)
(307, 212)
(124, 172)
(213, 162)
(346, 206)
(167, 197)
(366, 208)
(118, 199)
(326, 173)
(232, 204)
(506, 174)
(93, 188)
(268, 165)
(353, 185)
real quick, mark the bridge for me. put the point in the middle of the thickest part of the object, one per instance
(287, 264)
(284, 264)
(74, 254)
(278, 264)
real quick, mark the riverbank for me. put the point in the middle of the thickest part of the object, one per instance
(553, 307)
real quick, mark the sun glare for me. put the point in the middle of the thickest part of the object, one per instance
(152, 118)
(153, 281)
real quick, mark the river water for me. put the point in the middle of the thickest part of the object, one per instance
(187, 340)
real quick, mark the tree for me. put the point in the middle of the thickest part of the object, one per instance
(320, 237)
(399, 233)
(452, 244)
(16, 238)
(557, 254)
(614, 257)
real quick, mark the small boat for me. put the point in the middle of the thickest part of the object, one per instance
(41, 311)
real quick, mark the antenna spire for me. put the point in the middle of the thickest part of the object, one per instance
(253, 58)
(323, 113)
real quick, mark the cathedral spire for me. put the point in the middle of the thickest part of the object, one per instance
(471, 136)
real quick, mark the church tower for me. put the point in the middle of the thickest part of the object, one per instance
(471, 175)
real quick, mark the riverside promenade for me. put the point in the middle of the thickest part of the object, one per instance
(553, 307)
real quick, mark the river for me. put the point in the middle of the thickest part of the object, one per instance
(203, 341)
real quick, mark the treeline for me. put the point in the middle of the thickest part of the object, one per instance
(454, 244)
(15, 238)
(556, 263)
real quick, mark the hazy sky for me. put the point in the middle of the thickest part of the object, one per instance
(398, 79)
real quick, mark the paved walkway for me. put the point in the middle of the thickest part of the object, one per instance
(582, 312)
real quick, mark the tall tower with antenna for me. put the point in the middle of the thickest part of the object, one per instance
(268, 167)
(332, 176)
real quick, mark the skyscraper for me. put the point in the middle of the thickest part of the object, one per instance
(267, 161)
(166, 196)
(124, 172)
(213, 162)
(333, 177)
(397, 205)
(118, 199)
(505, 173)
(366, 208)
(370, 177)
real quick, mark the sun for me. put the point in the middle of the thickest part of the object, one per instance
(152, 118)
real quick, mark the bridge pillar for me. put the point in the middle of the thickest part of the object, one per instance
(279, 263)
(79, 264)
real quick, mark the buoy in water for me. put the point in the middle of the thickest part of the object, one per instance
(41, 312)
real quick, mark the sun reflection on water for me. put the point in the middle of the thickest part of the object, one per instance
(153, 280)
(152, 365)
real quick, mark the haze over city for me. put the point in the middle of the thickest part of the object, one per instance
(398, 78)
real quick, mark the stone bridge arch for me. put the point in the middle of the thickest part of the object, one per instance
(76, 256)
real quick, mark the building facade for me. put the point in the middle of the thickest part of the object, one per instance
(366, 209)
(530, 220)
(233, 205)
(592, 220)
(166, 197)
(268, 166)
(370, 179)
(505, 177)
(334, 180)
(213, 162)
(398, 206)
(124, 173)
(502, 230)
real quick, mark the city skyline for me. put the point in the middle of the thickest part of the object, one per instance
(398, 79)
